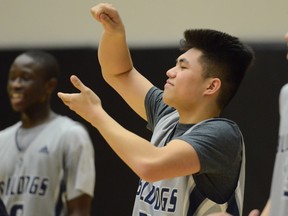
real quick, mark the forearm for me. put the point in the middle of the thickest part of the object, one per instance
(113, 54)
(135, 151)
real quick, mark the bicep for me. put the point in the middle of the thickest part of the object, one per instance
(177, 158)
(132, 87)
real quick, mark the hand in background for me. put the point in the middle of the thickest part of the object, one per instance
(254, 212)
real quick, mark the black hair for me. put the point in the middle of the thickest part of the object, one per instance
(46, 63)
(223, 56)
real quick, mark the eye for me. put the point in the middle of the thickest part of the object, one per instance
(21, 77)
(26, 77)
(182, 66)
(11, 78)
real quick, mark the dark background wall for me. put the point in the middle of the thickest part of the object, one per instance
(254, 108)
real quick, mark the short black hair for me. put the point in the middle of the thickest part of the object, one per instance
(223, 56)
(46, 62)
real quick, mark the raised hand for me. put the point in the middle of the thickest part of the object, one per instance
(108, 16)
(85, 103)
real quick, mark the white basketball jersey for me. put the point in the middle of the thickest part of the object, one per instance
(279, 188)
(58, 165)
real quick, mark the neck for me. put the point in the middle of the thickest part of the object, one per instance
(197, 116)
(32, 119)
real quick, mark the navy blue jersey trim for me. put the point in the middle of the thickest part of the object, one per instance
(59, 205)
(3, 211)
(233, 207)
(195, 200)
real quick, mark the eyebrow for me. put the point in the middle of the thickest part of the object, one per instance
(182, 60)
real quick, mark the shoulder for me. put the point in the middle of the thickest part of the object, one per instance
(70, 130)
(219, 125)
(67, 124)
(218, 133)
(153, 99)
(7, 136)
(10, 129)
(156, 109)
(154, 92)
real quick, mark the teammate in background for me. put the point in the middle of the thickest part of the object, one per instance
(193, 162)
(47, 160)
(278, 204)
(278, 201)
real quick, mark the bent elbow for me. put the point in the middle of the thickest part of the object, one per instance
(148, 172)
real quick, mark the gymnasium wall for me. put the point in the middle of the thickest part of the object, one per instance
(254, 108)
(26, 23)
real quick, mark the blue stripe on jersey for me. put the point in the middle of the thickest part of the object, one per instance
(232, 206)
(3, 211)
(59, 204)
(195, 200)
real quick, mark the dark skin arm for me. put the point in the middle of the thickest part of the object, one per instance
(80, 206)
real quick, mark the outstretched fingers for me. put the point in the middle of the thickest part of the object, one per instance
(77, 83)
(67, 97)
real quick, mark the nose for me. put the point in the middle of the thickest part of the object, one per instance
(171, 72)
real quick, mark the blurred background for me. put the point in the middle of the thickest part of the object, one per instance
(29, 23)
(154, 28)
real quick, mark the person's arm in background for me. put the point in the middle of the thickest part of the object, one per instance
(79, 170)
(266, 209)
(254, 212)
(80, 206)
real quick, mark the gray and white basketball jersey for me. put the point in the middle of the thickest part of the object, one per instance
(179, 196)
(279, 188)
(57, 165)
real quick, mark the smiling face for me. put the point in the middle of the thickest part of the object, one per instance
(185, 84)
(26, 85)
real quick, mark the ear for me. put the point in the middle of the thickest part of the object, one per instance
(213, 86)
(51, 85)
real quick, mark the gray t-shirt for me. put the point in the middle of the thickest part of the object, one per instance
(218, 143)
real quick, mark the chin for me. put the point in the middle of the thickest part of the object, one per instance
(18, 108)
(166, 101)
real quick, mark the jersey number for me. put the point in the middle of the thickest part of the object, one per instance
(16, 210)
